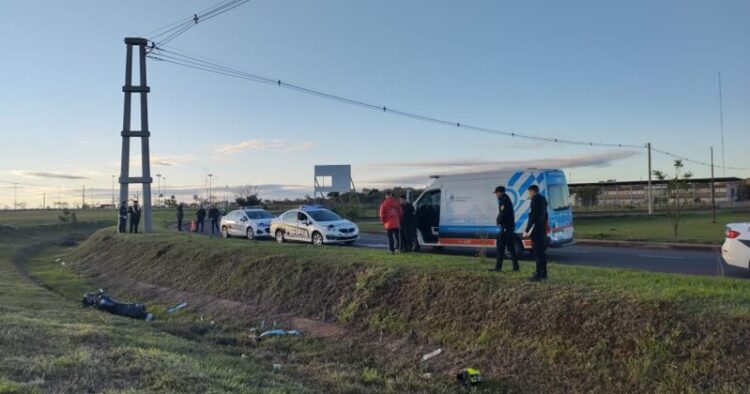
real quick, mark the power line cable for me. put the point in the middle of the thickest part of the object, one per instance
(174, 30)
(173, 56)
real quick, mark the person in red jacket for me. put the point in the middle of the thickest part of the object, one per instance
(390, 215)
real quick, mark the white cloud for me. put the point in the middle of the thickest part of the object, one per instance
(260, 144)
(447, 167)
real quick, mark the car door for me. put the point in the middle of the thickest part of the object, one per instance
(304, 223)
(289, 224)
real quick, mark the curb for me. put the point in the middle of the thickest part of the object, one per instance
(630, 244)
(649, 245)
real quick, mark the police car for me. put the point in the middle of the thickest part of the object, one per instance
(250, 222)
(736, 247)
(315, 224)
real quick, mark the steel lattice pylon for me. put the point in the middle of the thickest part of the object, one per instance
(142, 88)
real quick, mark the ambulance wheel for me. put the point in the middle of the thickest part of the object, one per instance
(317, 239)
(518, 246)
(279, 236)
(250, 233)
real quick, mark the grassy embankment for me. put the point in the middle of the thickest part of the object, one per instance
(50, 344)
(588, 329)
(694, 227)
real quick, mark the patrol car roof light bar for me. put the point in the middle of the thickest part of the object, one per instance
(144, 133)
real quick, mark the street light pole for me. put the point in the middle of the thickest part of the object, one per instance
(210, 178)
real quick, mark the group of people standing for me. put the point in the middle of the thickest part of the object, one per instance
(214, 216)
(124, 212)
(400, 222)
(536, 230)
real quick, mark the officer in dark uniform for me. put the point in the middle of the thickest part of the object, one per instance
(180, 215)
(214, 215)
(408, 225)
(122, 222)
(506, 221)
(200, 215)
(537, 230)
(135, 217)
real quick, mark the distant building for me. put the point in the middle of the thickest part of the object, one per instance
(727, 192)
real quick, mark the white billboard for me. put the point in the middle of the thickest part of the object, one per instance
(333, 178)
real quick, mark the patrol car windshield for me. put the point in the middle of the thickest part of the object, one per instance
(323, 215)
(258, 214)
(559, 197)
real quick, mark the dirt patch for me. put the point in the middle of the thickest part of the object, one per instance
(219, 308)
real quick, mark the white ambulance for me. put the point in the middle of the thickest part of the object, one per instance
(461, 209)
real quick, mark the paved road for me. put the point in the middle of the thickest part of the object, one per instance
(657, 260)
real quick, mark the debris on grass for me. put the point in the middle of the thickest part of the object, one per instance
(175, 308)
(432, 354)
(101, 300)
(469, 376)
(277, 333)
(277, 367)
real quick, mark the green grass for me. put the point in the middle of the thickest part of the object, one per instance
(50, 344)
(693, 228)
(639, 331)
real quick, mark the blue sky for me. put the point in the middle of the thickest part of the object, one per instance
(624, 72)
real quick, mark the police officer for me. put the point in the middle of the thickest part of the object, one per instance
(135, 217)
(122, 217)
(180, 215)
(200, 215)
(214, 215)
(408, 225)
(537, 230)
(506, 221)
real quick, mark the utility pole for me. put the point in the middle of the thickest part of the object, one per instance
(113, 191)
(142, 88)
(226, 197)
(83, 196)
(721, 126)
(648, 191)
(713, 199)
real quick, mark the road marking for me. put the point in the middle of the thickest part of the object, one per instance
(661, 257)
(570, 251)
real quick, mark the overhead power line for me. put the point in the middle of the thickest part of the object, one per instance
(182, 58)
(170, 55)
(173, 30)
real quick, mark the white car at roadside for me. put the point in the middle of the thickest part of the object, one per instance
(315, 224)
(736, 247)
(251, 223)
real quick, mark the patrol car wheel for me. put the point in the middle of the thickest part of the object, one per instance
(250, 234)
(225, 232)
(279, 236)
(317, 239)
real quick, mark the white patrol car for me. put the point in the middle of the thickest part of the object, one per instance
(250, 222)
(736, 248)
(313, 223)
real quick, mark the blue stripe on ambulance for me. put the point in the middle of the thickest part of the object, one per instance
(514, 178)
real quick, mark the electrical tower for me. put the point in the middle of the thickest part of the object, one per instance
(143, 89)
